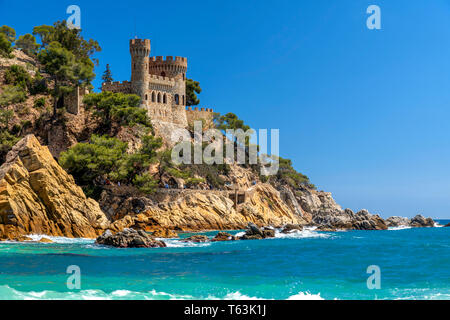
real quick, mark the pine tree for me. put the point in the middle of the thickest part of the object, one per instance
(107, 75)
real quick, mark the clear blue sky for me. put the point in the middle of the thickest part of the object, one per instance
(364, 113)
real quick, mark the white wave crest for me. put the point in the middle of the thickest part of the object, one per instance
(305, 233)
(399, 228)
(8, 293)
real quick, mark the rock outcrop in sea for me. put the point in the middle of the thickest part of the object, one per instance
(38, 196)
(129, 238)
(418, 221)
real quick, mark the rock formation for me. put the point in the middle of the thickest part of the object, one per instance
(418, 221)
(347, 219)
(129, 238)
(38, 196)
(254, 233)
(199, 210)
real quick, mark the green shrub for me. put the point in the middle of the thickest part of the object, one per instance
(145, 183)
(117, 107)
(12, 94)
(39, 103)
(87, 161)
(5, 46)
(17, 76)
(7, 141)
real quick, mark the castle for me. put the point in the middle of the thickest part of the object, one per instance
(161, 84)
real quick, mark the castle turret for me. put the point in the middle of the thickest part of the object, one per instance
(140, 50)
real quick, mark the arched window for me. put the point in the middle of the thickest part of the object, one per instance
(153, 96)
(164, 98)
(146, 97)
(159, 97)
(163, 74)
(177, 99)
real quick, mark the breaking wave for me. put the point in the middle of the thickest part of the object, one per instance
(12, 294)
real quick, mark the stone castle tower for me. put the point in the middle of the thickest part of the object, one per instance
(161, 84)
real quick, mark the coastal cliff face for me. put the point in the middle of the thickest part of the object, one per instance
(38, 196)
(200, 210)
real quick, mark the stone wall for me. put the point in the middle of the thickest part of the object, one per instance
(197, 114)
(73, 100)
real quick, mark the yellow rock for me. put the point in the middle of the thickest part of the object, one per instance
(38, 196)
(45, 240)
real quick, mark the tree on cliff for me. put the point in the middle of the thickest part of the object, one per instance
(67, 57)
(119, 107)
(106, 158)
(27, 43)
(9, 32)
(70, 39)
(5, 46)
(107, 75)
(66, 70)
(192, 89)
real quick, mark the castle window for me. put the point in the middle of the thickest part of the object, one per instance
(177, 99)
(153, 96)
(183, 100)
(164, 98)
(159, 97)
(146, 97)
(163, 74)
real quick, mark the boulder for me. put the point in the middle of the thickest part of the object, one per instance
(254, 233)
(223, 236)
(38, 197)
(447, 225)
(288, 228)
(196, 239)
(129, 238)
(252, 229)
(45, 240)
(397, 221)
(420, 221)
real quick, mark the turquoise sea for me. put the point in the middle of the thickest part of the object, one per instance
(414, 264)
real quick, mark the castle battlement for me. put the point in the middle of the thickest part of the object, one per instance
(168, 59)
(143, 42)
(195, 109)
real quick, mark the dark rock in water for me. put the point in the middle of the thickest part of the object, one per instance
(223, 236)
(347, 219)
(251, 237)
(268, 233)
(447, 225)
(129, 238)
(252, 229)
(420, 221)
(397, 221)
(254, 233)
(291, 227)
(196, 238)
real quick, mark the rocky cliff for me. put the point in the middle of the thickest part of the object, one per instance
(199, 210)
(38, 196)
